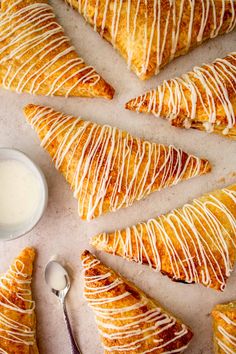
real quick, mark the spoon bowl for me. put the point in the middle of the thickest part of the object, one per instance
(59, 287)
(58, 280)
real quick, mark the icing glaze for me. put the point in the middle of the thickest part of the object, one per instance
(91, 153)
(109, 319)
(157, 20)
(18, 186)
(199, 90)
(226, 337)
(11, 330)
(192, 253)
(36, 31)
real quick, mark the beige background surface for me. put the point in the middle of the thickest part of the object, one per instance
(62, 232)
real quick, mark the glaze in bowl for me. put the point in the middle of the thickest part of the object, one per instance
(12, 231)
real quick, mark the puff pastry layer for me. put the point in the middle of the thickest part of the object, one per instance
(17, 316)
(149, 34)
(196, 243)
(128, 320)
(204, 98)
(36, 56)
(224, 326)
(107, 168)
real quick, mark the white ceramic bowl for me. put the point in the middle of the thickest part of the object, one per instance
(10, 232)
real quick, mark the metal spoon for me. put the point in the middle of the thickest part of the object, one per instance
(61, 294)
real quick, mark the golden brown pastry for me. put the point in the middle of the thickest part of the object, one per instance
(194, 244)
(17, 308)
(149, 34)
(107, 168)
(128, 320)
(224, 327)
(37, 57)
(204, 98)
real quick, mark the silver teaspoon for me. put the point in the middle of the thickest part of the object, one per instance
(60, 285)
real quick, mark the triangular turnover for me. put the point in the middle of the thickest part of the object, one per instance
(224, 327)
(192, 244)
(203, 99)
(37, 57)
(149, 34)
(108, 168)
(128, 320)
(17, 308)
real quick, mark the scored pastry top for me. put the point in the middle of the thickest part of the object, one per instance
(149, 34)
(37, 57)
(196, 243)
(108, 168)
(127, 319)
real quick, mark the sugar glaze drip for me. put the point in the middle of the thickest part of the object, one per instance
(203, 88)
(106, 148)
(33, 29)
(155, 33)
(185, 225)
(227, 337)
(11, 330)
(108, 319)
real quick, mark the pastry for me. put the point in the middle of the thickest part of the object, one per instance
(17, 308)
(149, 34)
(106, 167)
(194, 244)
(128, 320)
(204, 98)
(37, 57)
(224, 327)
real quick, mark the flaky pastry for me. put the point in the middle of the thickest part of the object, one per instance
(17, 308)
(224, 327)
(37, 57)
(128, 320)
(194, 244)
(204, 98)
(149, 34)
(108, 168)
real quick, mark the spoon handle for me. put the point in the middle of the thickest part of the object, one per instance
(74, 346)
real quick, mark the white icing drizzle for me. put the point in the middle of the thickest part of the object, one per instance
(10, 330)
(145, 324)
(155, 33)
(227, 338)
(33, 29)
(203, 89)
(107, 149)
(196, 225)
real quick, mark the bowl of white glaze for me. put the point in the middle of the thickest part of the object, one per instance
(23, 194)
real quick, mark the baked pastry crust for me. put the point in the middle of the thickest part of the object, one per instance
(17, 315)
(149, 34)
(194, 244)
(128, 320)
(108, 168)
(36, 56)
(204, 98)
(224, 327)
